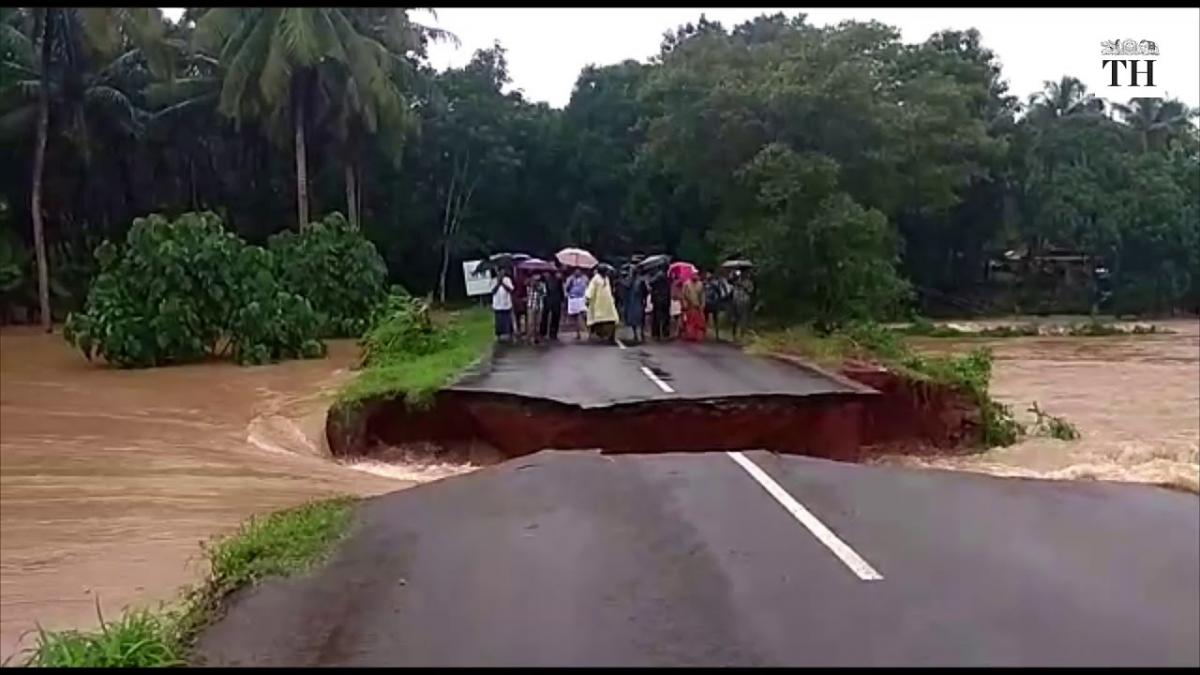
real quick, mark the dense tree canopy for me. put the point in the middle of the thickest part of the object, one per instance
(861, 172)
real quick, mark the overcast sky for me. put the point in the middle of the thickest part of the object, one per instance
(548, 47)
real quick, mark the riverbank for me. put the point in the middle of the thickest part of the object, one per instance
(1134, 398)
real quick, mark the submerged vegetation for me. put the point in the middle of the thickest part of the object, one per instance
(281, 543)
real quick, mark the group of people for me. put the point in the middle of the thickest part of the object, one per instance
(598, 301)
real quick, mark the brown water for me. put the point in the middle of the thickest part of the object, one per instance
(109, 479)
(1134, 399)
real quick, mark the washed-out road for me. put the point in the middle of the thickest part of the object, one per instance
(739, 558)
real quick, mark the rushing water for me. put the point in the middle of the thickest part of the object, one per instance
(1134, 399)
(109, 478)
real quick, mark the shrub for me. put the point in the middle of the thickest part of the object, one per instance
(401, 327)
(337, 269)
(182, 290)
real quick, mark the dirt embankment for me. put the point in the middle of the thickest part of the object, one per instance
(892, 414)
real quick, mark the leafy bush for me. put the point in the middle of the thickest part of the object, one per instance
(186, 289)
(401, 327)
(337, 269)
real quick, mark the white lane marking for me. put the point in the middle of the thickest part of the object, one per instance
(621, 344)
(655, 379)
(823, 534)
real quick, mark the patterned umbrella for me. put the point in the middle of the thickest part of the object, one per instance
(576, 257)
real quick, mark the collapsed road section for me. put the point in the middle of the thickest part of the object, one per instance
(564, 397)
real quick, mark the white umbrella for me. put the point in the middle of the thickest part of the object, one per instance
(576, 257)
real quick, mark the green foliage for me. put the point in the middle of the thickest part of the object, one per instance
(336, 269)
(282, 543)
(401, 329)
(1052, 426)
(970, 373)
(138, 639)
(852, 165)
(186, 289)
(465, 338)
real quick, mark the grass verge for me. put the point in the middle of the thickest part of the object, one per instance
(414, 362)
(970, 373)
(281, 543)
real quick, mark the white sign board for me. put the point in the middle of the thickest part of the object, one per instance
(477, 284)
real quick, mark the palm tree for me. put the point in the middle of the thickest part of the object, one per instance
(1154, 120)
(67, 42)
(273, 59)
(1060, 99)
(371, 95)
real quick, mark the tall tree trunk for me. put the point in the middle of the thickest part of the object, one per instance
(351, 195)
(39, 163)
(301, 158)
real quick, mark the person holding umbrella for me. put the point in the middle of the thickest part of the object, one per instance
(577, 285)
(502, 304)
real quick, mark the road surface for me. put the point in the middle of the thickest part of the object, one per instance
(596, 376)
(744, 558)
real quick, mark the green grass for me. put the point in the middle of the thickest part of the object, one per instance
(970, 373)
(139, 639)
(467, 337)
(279, 544)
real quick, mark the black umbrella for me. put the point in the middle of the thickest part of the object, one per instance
(498, 260)
(652, 262)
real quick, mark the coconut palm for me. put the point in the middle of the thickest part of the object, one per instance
(1154, 120)
(371, 97)
(49, 59)
(273, 60)
(1066, 97)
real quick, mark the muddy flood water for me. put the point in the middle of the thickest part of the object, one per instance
(109, 479)
(1134, 399)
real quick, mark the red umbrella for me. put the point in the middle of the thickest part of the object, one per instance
(682, 271)
(576, 257)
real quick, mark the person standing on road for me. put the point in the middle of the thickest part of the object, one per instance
(634, 311)
(716, 300)
(577, 285)
(676, 307)
(502, 304)
(535, 301)
(601, 308)
(692, 297)
(740, 304)
(552, 306)
(660, 297)
(521, 285)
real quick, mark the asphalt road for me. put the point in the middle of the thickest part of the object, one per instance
(579, 559)
(594, 376)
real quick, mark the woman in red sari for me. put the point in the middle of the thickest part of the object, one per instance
(693, 328)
